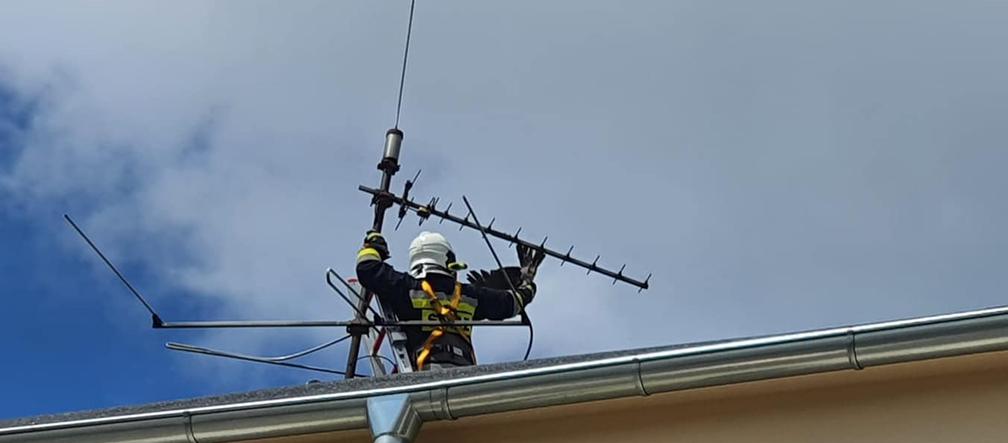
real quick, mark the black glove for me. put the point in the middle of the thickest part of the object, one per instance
(374, 240)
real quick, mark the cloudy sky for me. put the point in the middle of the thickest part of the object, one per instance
(778, 165)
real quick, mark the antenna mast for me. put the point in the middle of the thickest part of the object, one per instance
(369, 326)
(389, 165)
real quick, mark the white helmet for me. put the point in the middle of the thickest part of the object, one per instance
(430, 253)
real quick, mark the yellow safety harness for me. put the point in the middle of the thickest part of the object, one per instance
(446, 313)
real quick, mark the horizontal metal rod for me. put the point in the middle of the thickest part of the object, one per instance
(324, 324)
(465, 222)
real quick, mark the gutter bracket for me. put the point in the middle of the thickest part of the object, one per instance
(393, 419)
(639, 378)
(852, 350)
(190, 434)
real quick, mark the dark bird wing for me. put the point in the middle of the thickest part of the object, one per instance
(495, 279)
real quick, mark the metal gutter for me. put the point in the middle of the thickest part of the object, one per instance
(393, 419)
(645, 373)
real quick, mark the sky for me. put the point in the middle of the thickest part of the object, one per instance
(778, 165)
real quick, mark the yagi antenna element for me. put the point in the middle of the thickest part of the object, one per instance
(154, 317)
(425, 211)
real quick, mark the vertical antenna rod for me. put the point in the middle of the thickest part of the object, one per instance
(405, 57)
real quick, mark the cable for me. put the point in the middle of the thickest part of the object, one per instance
(524, 315)
(528, 320)
(306, 351)
(402, 77)
(380, 357)
(211, 352)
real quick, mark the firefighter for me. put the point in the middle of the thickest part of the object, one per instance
(430, 291)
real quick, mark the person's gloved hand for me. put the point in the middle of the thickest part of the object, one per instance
(376, 241)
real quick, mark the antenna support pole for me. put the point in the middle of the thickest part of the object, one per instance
(381, 201)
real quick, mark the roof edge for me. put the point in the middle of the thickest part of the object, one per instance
(645, 373)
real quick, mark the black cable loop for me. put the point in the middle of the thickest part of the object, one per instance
(524, 315)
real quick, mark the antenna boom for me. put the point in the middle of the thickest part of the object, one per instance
(426, 211)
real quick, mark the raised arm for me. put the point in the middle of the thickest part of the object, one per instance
(392, 287)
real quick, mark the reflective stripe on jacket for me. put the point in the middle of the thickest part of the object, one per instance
(402, 293)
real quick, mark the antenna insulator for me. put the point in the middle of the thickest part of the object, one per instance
(393, 143)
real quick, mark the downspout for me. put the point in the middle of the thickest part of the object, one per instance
(392, 419)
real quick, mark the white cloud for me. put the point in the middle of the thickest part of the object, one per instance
(775, 171)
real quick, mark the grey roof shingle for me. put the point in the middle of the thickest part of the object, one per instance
(356, 384)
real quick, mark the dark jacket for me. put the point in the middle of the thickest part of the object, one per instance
(402, 293)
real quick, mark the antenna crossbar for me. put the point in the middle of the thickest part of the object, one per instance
(325, 324)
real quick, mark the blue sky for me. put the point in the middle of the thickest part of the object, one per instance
(779, 166)
(72, 340)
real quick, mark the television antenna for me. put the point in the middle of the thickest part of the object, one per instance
(375, 325)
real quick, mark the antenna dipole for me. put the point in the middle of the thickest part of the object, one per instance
(405, 58)
(155, 318)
